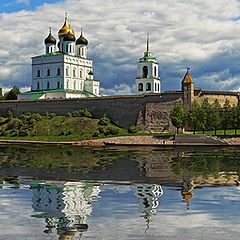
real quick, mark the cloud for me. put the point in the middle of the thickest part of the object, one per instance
(27, 2)
(122, 89)
(203, 35)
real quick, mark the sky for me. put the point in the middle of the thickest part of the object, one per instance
(203, 35)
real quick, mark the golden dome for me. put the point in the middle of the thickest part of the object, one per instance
(66, 29)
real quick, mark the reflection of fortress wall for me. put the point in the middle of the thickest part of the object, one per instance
(157, 166)
(223, 179)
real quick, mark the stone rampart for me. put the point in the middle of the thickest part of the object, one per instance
(123, 110)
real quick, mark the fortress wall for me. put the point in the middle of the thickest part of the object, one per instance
(233, 99)
(157, 116)
(123, 110)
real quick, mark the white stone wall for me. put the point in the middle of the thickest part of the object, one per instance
(74, 72)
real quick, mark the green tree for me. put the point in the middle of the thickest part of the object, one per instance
(226, 116)
(206, 111)
(195, 117)
(215, 116)
(178, 116)
(236, 118)
(12, 94)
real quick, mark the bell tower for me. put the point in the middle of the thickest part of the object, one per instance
(187, 89)
(147, 80)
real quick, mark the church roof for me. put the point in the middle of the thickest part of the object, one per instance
(187, 78)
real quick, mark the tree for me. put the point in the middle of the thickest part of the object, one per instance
(215, 116)
(12, 94)
(195, 117)
(226, 116)
(236, 117)
(206, 111)
(178, 116)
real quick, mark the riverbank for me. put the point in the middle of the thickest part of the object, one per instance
(154, 141)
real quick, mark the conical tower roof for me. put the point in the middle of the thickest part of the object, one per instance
(187, 78)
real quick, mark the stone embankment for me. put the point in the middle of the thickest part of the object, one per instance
(180, 140)
(232, 141)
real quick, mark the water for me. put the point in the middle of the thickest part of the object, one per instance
(70, 193)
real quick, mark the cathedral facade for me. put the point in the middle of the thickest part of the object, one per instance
(64, 71)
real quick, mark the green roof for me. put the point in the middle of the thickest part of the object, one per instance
(38, 94)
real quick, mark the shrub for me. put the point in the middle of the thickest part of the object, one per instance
(10, 115)
(85, 113)
(104, 121)
(111, 131)
(102, 129)
(75, 114)
(133, 129)
(96, 134)
(50, 115)
(68, 115)
(23, 132)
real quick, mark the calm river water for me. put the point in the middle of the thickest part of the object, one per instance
(68, 193)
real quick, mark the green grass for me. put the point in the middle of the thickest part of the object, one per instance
(220, 132)
(60, 129)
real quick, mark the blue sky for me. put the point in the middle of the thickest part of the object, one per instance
(200, 34)
(18, 5)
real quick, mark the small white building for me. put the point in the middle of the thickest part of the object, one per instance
(64, 71)
(147, 80)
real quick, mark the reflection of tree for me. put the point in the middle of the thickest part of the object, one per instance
(149, 195)
(43, 157)
(65, 207)
(206, 164)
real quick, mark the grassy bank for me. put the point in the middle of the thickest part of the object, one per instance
(75, 126)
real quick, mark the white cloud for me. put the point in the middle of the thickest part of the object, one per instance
(201, 34)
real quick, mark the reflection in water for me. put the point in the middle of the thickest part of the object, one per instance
(187, 190)
(149, 195)
(65, 206)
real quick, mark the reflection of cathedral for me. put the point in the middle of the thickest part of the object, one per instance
(65, 208)
(149, 195)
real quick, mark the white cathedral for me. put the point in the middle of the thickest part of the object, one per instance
(64, 71)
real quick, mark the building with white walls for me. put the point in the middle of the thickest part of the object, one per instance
(64, 71)
(147, 80)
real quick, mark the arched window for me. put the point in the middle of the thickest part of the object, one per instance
(81, 74)
(140, 87)
(67, 84)
(66, 48)
(145, 72)
(74, 85)
(48, 72)
(58, 84)
(70, 48)
(155, 71)
(38, 73)
(48, 85)
(148, 87)
(67, 71)
(155, 86)
(38, 85)
(58, 72)
(81, 86)
(74, 72)
(158, 87)
(79, 51)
